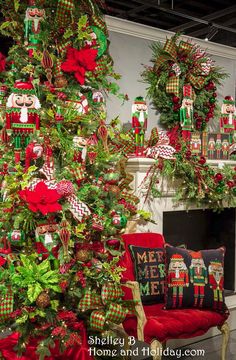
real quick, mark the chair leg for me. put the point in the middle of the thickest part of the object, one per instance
(156, 348)
(225, 330)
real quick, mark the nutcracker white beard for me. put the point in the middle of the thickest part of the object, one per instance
(24, 114)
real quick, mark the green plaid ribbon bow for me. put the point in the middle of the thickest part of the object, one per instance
(90, 301)
(64, 11)
(6, 305)
(172, 85)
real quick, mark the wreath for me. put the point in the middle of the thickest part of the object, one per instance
(176, 64)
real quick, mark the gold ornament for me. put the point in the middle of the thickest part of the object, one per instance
(83, 255)
(43, 300)
(60, 81)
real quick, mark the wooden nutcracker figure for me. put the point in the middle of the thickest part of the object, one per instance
(22, 117)
(139, 123)
(211, 146)
(216, 281)
(186, 113)
(225, 148)
(33, 18)
(198, 277)
(177, 278)
(218, 146)
(228, 117)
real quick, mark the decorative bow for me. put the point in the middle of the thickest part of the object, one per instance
(105, 307)
(162, 149)
(79, 61)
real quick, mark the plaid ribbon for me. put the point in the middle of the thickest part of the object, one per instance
(6, 305)
(102, 65)
(170, 47)
(172, 85)
(90, 301)
(58, 71)
(100, 23)
(116, 313)
(79, 172)
(64, 11)
(197, 81)
(153, 137)
(129, 197)
(97, 320)
(62, 47)
(110, 292)
(185, 46)
(127, 177)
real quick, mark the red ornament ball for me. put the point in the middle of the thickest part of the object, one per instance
(230, 184)
(65, 188)
(202, 160)
(218, 177)
(175, 99)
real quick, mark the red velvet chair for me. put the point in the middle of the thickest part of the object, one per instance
(153, 324)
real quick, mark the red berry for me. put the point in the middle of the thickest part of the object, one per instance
(214, 94)
(175, 99)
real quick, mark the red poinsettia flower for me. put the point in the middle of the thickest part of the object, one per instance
(41, 199)
(2, 260)
(80, 61)
(2, 62)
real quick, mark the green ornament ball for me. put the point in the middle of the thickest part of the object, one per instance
(212, 100)
(219, 189)
(234, 191)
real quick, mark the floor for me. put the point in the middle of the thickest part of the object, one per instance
(211, 346)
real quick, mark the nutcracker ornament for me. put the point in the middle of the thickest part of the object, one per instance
(198, 277)
(216, 282)
(80, 146)
(228, 117)
(22, 116)
(218, 146)
(177, 278)
(47, 233)
(211, 146)
(186, 113)
(33, 19)
(139, 123)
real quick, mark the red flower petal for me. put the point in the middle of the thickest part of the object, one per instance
(80, 76)
(32, 207)
(2, 260)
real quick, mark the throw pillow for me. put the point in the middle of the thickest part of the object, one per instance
(195, 278)
(149, 265)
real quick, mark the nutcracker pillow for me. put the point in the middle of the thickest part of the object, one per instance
(149, 265)
(195, 278)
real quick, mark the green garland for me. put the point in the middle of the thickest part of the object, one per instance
(176, 64)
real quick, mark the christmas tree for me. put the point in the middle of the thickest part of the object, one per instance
(65, 198)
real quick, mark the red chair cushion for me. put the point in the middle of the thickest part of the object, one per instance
(174, 324)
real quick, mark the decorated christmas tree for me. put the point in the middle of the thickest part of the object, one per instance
(65, 197)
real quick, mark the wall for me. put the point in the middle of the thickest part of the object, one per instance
(130, 49)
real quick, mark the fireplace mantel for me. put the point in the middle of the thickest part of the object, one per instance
(139, 167)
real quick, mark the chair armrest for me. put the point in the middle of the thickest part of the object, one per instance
(141, 317)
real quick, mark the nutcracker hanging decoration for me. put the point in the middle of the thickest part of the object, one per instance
(228, 117)
(186, 113)
(33, 18)
(139, 123)
(22, 116)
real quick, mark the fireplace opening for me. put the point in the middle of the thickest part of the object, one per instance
(204, 229)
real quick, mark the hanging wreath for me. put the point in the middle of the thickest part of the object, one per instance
(176, 65)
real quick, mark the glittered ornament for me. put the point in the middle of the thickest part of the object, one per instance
(16, 237)
(218, 177)
(65, 188)
(202, 160)
(43, 300)
(230, 184)
(83, 255)
(119, 220)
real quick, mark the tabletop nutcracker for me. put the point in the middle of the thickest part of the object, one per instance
(22, 116)
(228, 117)
(139, 123)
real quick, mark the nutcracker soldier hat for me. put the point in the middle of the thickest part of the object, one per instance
(229, 100)
(196, 254)
(176, 257)
(138, 100)
(23, 87)
(188, 91)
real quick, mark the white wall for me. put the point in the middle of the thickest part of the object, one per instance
(130, 49)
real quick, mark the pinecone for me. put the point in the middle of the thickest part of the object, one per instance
(83, 255)
(43, 300)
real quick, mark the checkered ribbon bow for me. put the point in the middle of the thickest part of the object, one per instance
(105, 307)
(6, 305)
(64, 11)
